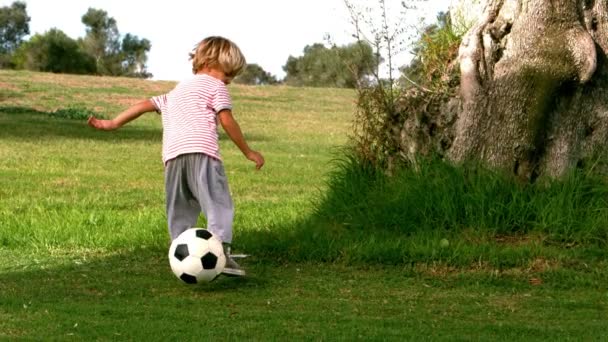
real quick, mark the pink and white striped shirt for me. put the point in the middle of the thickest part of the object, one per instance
(189, 116)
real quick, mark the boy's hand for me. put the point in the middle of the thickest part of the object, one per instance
(257, 158)
(104, 125)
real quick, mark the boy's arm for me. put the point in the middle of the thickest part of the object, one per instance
(233, 130)
(129, 114)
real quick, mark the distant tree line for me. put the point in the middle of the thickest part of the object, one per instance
(104, 51)
(320, 66)
(344, 67)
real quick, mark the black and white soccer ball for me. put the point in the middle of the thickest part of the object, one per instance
(196, 256)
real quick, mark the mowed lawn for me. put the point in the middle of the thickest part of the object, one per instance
(83, 237)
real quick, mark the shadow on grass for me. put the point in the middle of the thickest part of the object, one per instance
(134, 296)
(28, 124)
(440, 213)
(134, 273)
(132, 293)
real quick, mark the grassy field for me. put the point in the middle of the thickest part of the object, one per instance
(83, 236)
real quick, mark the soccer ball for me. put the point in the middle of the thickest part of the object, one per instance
(196, 256)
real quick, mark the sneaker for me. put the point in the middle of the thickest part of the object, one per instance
(232, 269)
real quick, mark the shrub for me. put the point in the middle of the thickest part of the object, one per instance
(397, 121)
(434, 66)
(74, 113)
(54, 51)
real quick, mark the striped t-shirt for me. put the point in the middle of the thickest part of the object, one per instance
(189, 116)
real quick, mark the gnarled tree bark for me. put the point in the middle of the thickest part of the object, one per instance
(533, 86)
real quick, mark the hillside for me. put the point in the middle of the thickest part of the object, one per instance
(297, 129)
(338, 253)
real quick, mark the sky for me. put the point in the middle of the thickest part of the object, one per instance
(267, 31)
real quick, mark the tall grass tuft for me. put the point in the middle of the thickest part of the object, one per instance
(368, 216)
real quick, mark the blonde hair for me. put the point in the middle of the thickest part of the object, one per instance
(218, 52)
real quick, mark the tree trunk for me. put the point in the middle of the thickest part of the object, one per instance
(533, 86)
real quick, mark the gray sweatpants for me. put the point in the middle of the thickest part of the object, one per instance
(194, 183)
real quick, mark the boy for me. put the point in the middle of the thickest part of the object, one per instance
(194, 173)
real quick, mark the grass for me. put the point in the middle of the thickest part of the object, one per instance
(302, 300)
(83, 235)
(111, 184)
(131, 296)
(413, 210)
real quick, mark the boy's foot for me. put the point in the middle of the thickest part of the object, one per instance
(232, 269)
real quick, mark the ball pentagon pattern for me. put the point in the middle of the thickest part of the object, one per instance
(196, 256)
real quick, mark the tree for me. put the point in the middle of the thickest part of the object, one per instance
(254, 74)
(344, 66)
(359, 61)
(530, 97)
(114, 56)
(134, 56)
(102, 41)
(14, 25)
(316, 68)
(533, 86)
(54, 51)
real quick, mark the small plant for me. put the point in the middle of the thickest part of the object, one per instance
(74, 113)
(434, 66)
(398, 119)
